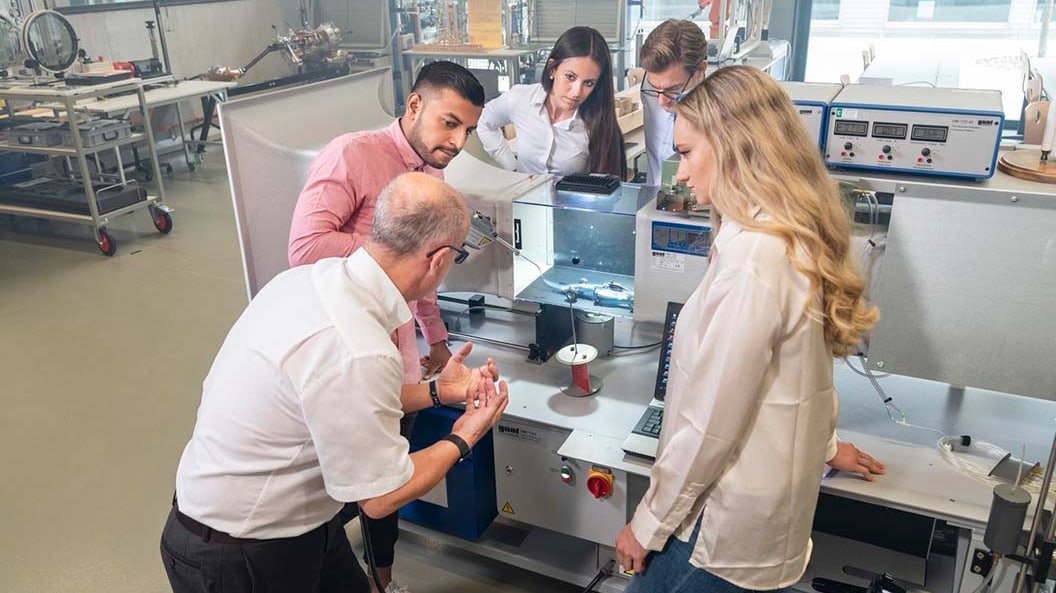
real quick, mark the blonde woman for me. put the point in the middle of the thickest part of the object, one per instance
(751, 409)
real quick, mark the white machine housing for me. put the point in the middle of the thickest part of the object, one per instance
(577, 237)
(528, 487)
(493, 192)
(670, 258)
(930, 131)
(812, 101)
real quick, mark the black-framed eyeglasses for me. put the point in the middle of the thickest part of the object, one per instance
(461, 257)
(673, 95)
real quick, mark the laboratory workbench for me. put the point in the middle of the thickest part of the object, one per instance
(919, 482)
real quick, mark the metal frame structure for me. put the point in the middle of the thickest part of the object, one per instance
(164, 92)
(68, 98)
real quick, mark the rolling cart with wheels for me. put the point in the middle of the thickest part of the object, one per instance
(91, 209)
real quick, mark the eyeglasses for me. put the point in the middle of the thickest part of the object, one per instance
(462, 253)
(673, 95)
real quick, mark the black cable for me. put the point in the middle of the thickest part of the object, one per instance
(368, 549)
(602, 575)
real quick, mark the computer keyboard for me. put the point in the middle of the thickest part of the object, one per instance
(649, 423)
(587, 183)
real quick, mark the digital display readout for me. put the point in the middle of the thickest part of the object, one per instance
(681, 238)
(850, 127)
(892, 131)
(930, 133)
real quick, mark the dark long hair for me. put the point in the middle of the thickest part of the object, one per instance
(599, 110)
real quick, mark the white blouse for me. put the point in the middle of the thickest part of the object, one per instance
(542, 146)
(749, 418)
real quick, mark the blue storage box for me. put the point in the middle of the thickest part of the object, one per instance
(470, 484)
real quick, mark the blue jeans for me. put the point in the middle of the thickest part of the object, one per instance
(669, 571)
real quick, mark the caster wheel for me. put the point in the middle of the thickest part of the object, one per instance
(191, 167)
(162, 221)
(107, 246)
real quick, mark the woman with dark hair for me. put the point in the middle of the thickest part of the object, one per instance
(565, 124)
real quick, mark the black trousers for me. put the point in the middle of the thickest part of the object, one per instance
(383, 532)
(320, 561)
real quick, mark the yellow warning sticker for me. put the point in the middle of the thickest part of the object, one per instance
(508, 508)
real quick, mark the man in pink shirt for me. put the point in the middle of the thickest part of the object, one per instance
(335, 212)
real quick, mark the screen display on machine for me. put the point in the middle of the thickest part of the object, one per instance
(681, 238)
(891, 131)
(930, 133)
(850, 127)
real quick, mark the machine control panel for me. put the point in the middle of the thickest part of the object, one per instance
(537, 485)
(600, 482)
(686, 239)
(671, 252)
(948, 132)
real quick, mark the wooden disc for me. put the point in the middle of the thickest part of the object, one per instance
(1027, 164)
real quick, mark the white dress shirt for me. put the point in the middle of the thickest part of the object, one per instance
(301, 409)
(750, 408)
(659, 134)
(542, 146)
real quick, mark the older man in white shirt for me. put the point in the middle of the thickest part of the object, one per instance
(300, 411)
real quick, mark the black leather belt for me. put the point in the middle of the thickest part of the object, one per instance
(208, 533)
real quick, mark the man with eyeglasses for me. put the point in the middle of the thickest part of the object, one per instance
(461, 251)
(335, 211)
(301, 410)
(674, 57)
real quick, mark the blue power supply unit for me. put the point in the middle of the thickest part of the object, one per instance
(470, 484)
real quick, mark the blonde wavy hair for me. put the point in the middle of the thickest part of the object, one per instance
(765, 158)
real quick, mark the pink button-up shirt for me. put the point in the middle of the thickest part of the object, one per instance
(335, 213)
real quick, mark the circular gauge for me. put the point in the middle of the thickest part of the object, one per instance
(49, 40)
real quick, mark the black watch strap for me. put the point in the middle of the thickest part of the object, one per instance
(463, 446)
(434, 394)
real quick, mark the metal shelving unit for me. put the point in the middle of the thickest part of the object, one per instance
(63, 100)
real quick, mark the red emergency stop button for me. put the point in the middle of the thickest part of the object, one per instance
(599, 483)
